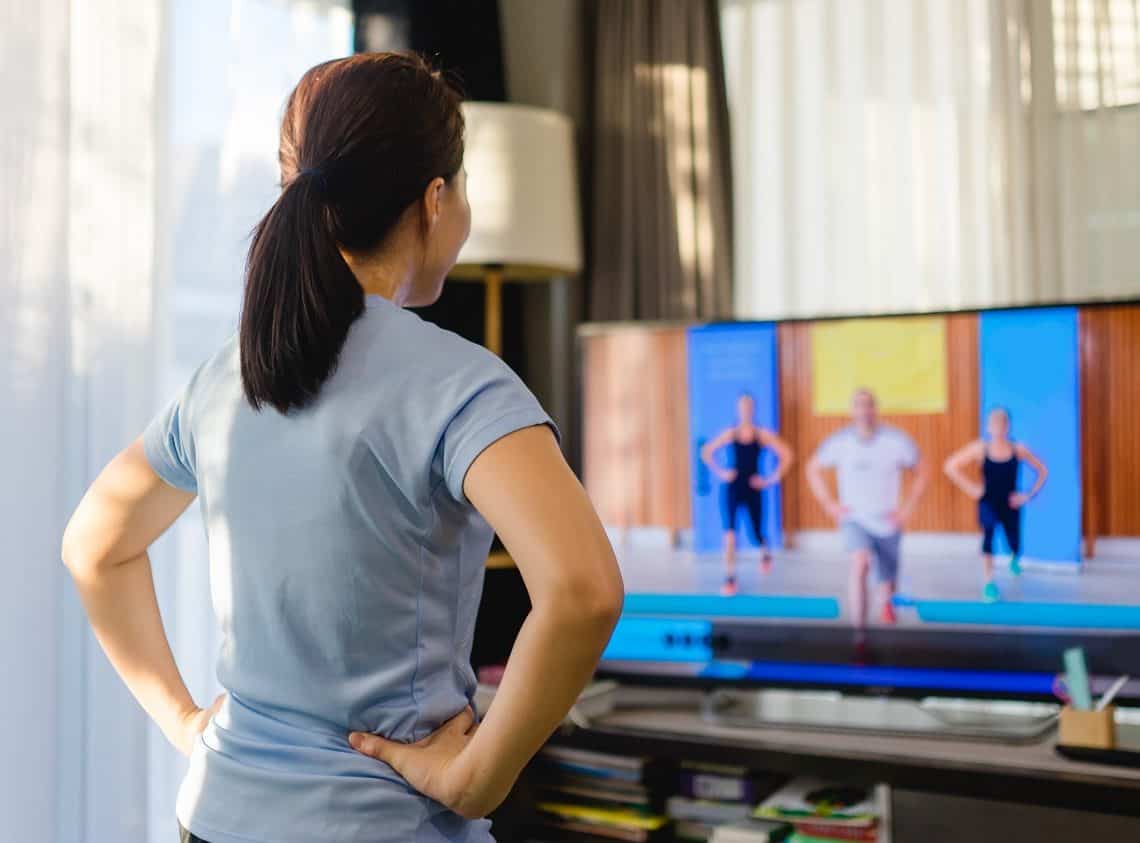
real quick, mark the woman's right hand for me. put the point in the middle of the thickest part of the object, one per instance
(976, 491)
(727, 475)
(429, 765)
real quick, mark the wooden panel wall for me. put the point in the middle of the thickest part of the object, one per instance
(943, 508)
(635, 420)
(1110, 410)
(637, 453)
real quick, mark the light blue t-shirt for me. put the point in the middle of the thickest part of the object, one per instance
(346, 568)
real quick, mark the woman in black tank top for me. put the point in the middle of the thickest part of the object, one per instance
(999, 501)
(743, 481)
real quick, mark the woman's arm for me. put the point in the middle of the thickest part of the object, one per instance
(784, 455)
(523, 487)
(1042, 474)
(709, 450)
(955, 468)
(105, 548)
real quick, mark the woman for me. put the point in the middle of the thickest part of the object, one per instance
(351, 461)
(999, 502)
(743, 481)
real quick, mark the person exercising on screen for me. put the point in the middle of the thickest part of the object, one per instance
(999, 502)
(743, 482)
(869, 458)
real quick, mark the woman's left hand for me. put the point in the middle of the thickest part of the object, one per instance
(429, 765)
(1018, 499)
(757, 482)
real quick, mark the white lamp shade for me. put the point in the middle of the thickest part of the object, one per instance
(522, 182)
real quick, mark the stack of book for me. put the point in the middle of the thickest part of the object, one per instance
(587, 795)
(824, 812)
(710, 796)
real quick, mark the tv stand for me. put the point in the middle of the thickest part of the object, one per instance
(987, 720)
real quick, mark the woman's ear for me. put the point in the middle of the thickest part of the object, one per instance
(433, 202)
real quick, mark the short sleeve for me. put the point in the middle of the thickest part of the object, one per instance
(908, 451)
(497, 404)
(828, 453)
(169, 447)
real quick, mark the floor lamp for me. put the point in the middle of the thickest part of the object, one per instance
(522, 182)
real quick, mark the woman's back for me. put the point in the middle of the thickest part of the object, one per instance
(346, 568)
(350, 461)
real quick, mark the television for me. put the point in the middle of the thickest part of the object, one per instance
(759, 482)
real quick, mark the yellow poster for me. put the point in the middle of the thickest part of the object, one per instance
(902, 360)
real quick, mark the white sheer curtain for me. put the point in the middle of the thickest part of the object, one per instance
(137, 149)
(78, 181)
(34, 367)
(900, 155)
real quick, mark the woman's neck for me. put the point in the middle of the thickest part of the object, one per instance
(388, 274)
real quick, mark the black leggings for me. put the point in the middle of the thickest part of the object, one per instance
(990, 516)
(737, 495)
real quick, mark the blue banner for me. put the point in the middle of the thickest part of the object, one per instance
(1029, 365)
(726, 361)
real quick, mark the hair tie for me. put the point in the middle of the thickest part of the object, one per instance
(318, 174)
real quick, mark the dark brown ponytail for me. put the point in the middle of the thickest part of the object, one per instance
(361, 139)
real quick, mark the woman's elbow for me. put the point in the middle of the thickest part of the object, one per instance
(612, 595)
(610, 603)
(80, 554)
(69, 548)
(596, 601)
(71, 553)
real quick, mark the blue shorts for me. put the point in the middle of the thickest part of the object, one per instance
(884, 549)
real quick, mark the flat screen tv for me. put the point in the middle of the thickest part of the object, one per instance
(926, 504)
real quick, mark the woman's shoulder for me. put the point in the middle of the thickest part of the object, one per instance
(434, 372)
(433, 347)
(221, 368)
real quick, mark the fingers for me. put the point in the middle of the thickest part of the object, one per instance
(373, 745)
(385, 750)
(388, 751)
(462, 722)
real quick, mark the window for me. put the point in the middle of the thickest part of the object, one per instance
(934, 154)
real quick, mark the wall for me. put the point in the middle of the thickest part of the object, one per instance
(545, 46)
(636, 432)
(636, 424)
(623, 369)
(543, 54)
(1110, 392)
(943, 507)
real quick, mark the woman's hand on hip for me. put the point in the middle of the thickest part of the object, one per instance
(429, 765)
(192, 724)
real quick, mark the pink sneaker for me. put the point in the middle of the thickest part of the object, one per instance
(888, 616)
(728, 588)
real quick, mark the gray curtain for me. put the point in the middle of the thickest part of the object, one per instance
(661, 227)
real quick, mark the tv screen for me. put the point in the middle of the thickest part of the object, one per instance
(916, 503)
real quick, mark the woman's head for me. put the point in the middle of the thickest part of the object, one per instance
(745, 408)
(371, 161)
(997, 423)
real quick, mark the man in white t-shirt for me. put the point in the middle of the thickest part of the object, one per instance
(869, 458)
